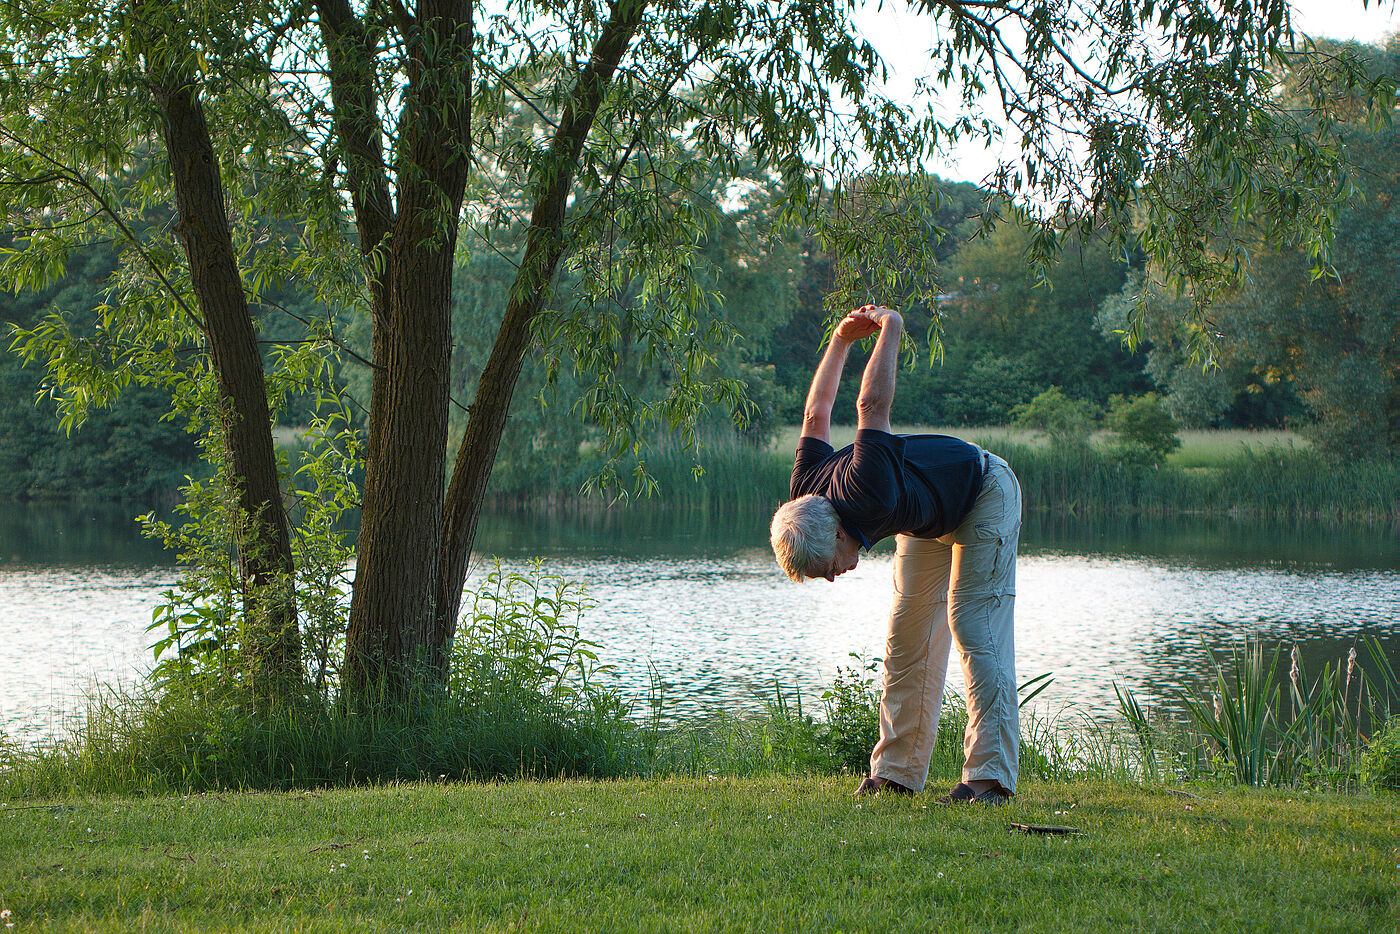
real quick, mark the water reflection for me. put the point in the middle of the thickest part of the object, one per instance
(720, 635)
(698, 598)
(75, 535)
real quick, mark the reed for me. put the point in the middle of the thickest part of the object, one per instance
(718, 476)
(1245, 480)
(1277, 483)
(1256, 727)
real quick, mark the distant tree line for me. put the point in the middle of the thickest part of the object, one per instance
(1290, 349)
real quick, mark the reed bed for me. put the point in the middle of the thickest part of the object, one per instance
(1267, 481)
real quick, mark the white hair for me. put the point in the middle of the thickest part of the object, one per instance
(803, 535)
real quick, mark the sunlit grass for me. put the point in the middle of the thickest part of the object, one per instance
(1215, 447)
(768, 854)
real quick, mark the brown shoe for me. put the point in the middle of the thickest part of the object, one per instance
(875, 784)
(962, 793)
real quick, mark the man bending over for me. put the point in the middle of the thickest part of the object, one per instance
(955, 512)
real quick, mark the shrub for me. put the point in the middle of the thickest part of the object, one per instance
(1064, 420)
(853, 714)
(1144, 432)
(1380, 763)
(521, 701)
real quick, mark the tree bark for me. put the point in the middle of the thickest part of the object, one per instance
(413, 545)
(544, 246)
(273, 644)
(390, 643)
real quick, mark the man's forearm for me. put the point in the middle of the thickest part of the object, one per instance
(877, 383)
(816, 414)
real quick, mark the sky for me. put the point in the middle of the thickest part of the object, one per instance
(903, 40)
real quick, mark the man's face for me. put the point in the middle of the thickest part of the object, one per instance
(846, 558)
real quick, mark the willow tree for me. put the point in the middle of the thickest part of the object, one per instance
(364, 147)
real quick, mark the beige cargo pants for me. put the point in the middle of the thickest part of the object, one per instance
(959, 589)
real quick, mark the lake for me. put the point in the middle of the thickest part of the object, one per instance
(697, 598)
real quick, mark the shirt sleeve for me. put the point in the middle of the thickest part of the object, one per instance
(811, 454)
(873, 481)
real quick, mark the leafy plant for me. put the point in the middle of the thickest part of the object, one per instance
(1380, 763)
(1066, 421)
(521, 640)
(853, 713)
(1315, 733)
(1241, 712)
(1144, 432)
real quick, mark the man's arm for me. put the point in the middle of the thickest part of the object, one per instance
(877, 383)
(816, 414)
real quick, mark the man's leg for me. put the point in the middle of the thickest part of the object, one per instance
(916, 661)
(981, 606)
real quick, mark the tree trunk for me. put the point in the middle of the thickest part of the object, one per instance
(391, 610)
(413, 547)
(390, 644)
(543, 248)
(272, 642)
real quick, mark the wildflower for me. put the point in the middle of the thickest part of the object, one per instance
(5, 915)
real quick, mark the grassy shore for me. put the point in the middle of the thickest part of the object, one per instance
(771, 854)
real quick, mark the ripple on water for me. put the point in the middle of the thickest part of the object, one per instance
(719, 630)
(64, 630)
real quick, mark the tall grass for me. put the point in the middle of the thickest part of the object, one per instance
(522, 700)
(1272, 483)
(1245, 480)
(1257, 727)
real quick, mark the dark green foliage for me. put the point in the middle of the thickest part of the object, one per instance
(131, 450)
(1144, 432)
(1313, 348)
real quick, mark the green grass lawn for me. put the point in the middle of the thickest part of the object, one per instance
(696, 855)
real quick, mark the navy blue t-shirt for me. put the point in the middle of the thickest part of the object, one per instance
(922, 485)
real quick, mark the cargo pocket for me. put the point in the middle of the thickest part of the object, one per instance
(1001, 579)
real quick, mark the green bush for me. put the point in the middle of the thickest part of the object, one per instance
(1380, 763)
(1064, 420)
(1144, 432)
(521, 701)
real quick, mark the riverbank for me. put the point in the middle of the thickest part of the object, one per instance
(773, 854)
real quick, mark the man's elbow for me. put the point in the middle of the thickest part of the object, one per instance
(874, 412)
